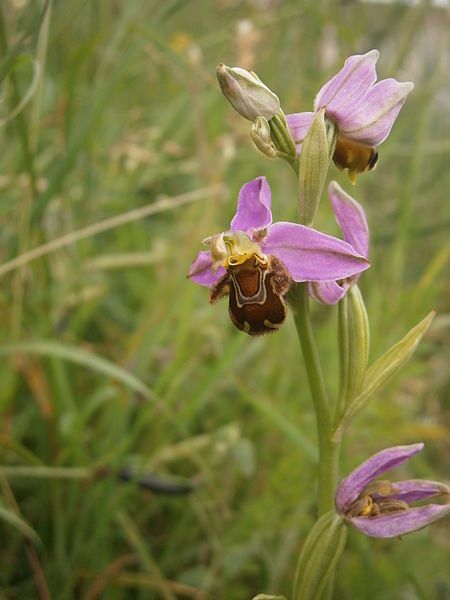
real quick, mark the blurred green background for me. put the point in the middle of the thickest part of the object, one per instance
(111, 358)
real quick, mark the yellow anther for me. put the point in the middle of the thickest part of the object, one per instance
(232, 248)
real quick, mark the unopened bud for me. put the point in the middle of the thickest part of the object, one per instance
(353, 345)
(320, 553)
(246, 93)
(261, 136)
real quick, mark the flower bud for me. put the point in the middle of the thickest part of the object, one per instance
(261, 136)
(246, 93)
(353, 345)
(319, 556)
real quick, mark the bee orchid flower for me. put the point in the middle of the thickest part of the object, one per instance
(382, 508)
(255, 262)
(362, 111)
(351, 218)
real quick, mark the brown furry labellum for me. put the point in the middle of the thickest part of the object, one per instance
(356, 157)
(256, 290)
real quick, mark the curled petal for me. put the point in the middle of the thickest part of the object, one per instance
(372, 121)
(350, 488)
(299, 124)
(201, 270)
(349, 86)
(393, 525)
(328, 292)
(412, 490)
(312, 256)
(351, 218)
(253, 209)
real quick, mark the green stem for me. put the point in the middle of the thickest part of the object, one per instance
(328, 447)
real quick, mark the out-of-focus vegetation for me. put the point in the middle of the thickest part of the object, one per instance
(110, 358)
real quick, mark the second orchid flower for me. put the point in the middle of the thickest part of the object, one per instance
(351, 218)
(362, 111)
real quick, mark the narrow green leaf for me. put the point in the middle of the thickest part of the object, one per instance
(81, 357)
(26, 97)
(142, 548)
(45, 472)
(18, 523)
(398, 355)
(168, 9)
(384, 368)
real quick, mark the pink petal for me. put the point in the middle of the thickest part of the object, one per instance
(394, 525)
(310, 255)
(372, 121)
(253, 209)
(350, 488)
(349, 86)
(299, 124)
(351, 218)
(201, 270)
(412, 490)
(328, 292)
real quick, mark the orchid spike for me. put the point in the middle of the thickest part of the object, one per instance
(351, 218)
(362, 110)
(255, 261)
(381, 508)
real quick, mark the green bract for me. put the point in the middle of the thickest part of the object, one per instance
(318, 558)
(313, 168)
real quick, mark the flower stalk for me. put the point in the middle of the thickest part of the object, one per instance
(328, 446)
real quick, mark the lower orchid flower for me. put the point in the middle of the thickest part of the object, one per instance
(255, 262)
(381, 508)
(362, 111)
(351, 218)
